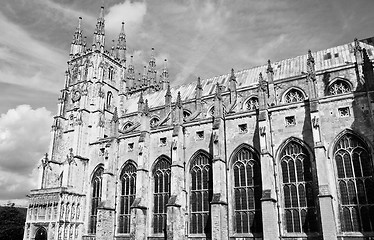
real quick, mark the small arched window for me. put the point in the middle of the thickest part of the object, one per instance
(127, 126)
(161, 194)
(127, 196)
(252, 104)
(201, 191)
(339, 87)
(293, 96)
(109, 98)
(355, 183)
(247, 192)
(298, 193)
(186, 113)
(96, 193)
(154, 121)
(110, 73)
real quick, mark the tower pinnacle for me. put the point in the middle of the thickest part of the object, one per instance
(121, 46)
(77, 43)
(99, 34)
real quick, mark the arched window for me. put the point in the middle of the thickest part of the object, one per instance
(127, 126)
(96, 184)
(186, 113)
(110, 73)
(109, 98)
(355, 183)
(154, 121)
(252, 104)
(294, 96)
(247, 192)
(339, 87)
(41, 234)
(298, 193)
(161, 194)
(201, 191)
(211, 112)
(127, 196)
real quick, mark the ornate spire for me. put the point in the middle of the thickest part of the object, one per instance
(152, 60)
(121, 46)
(99, 34)
(232, 87)
(270, 68)
(146, 108)
(112, 48)
(141, 100)
(77, 43)
(218, 94)
(164, 81)
(311, 65)
(179, 100)
(145, 77)
(168, 95)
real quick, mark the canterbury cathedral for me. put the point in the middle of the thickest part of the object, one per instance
(279, 151)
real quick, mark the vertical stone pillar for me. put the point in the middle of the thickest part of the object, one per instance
(269, 195)
(219, 211)
(176, 207)
(325, 198)
(139, 207)
(106, 210)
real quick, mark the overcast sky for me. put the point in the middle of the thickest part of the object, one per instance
(199, 38)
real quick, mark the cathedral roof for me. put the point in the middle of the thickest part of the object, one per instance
(288, 68)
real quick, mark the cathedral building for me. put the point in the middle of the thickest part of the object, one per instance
(279, 151)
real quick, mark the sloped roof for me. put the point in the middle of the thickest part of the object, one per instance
(292, 67)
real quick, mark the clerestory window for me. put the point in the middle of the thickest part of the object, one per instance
(127, 196)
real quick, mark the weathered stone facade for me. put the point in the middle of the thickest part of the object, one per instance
(280, 151)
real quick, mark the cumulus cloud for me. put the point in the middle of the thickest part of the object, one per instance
(132, 13)
(24, 138)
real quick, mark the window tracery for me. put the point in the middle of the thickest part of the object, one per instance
(252, 104)
(161, 194)
(201, 191)
(247, 192)
(96, 184)
(355, 184)
(294, 96)
(127, 196)
(154, 121)
(298, 193)
(339, 87)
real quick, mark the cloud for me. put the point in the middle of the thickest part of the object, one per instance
(132, 13)
(24, 138)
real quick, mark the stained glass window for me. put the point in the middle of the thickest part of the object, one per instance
(201, 191)
(95, 197)
(355, 184)
(127, 196)
(298, 191)
(161, 194)
(247, 192)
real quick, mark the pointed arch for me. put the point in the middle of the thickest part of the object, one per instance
(96, 193)
(298, 183)
(293, 95)
(41, 234)
(338, 85)
(161, 170)
(247, 190)
(200, 192)
(127, 195)
(355, 181)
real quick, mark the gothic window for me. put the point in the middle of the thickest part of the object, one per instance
(186, 113)
(298, 194)
(252, 104)
(201, 191)
(161, 175)
(127, 196)
(96, 184)
(355, 184)
(154, 121)
(294, 96)
(127, 126)
(110, 73)
(247, 192)
(339, 87)
(109, 98)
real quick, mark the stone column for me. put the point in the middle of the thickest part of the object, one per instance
(269, 194)
(325, 198)
(106, 210)
(219, 212)
(176, 207)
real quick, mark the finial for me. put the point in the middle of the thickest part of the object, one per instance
(198, 85)
(168, 92)
(270, 68)
(179, 100)
(101, 12)
(79, 22)
(218, 91)
(115, 115)
(141, 100)
(260, 77)
(123, 27)
(146, 108)
(232, 77)
(310, 57)
(232, 72)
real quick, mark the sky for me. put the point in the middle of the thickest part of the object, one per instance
(203, 38)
